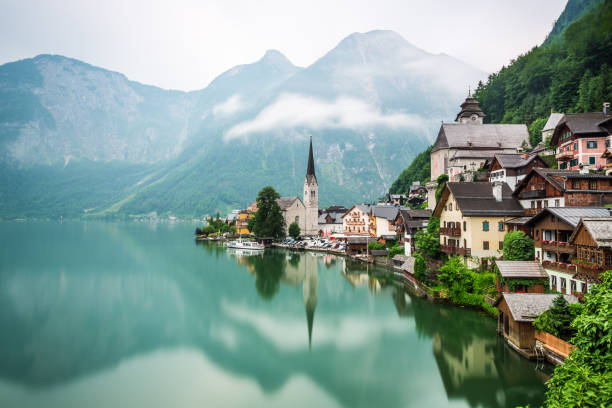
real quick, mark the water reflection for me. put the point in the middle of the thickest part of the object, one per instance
(79, 307)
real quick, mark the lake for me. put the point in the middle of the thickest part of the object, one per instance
(96, 314)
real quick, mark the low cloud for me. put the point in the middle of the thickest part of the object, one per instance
(293, 110)
(232, 105)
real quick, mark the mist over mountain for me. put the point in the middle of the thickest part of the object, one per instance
(77, 139)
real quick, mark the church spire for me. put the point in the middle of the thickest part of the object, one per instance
(310, 170)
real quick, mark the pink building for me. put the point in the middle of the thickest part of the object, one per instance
(582, 138)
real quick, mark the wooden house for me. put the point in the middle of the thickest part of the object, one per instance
(543, 188)
(407, 223)
(517, 311)
(521, 277)
(593, 241)
(357, 221)
(512, 168)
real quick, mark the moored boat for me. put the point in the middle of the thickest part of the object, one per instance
(245, 244)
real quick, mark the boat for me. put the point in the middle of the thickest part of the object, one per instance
(245, 244)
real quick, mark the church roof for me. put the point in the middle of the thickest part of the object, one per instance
(286, 202)
(470, 107)
(478, 136)
(310, 171)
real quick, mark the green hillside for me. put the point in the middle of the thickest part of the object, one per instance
(419, 170)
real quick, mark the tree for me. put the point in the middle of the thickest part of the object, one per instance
(557, 319)
(294, 230)
(268, 220)
(585, 380)
(442, 179)
(518, 247)
(420, 268)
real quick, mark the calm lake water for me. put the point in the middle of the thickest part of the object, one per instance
(137, 315)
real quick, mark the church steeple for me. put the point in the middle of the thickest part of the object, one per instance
(470, 111)
(310, 171)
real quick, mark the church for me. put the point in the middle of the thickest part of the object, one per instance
(305, 213)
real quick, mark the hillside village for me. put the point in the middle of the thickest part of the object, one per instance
(489, 189)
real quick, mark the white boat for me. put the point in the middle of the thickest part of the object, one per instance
(245, 244)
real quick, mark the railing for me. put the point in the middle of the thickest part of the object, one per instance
(454, 250)
(534, 194)
(553, 343)
(558, 246)
(350, 222)
(452, 232)
(590, 269)
(559, 266)
(564, 155)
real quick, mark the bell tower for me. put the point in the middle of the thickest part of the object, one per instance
(311, 197)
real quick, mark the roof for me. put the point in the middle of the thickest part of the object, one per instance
(360, 240)
(525, 307)
(469, 107)
(476, 154)
(600, 229)
(519, 221)
(572, 215)
(286, 202)
(335, 216)
(514, 160)
(379, 252)
(476, 199)
(310, 171)
(588, 122)
(553, 121)
(385, 211)
(487, 136)
(414, 218)
(521, 269)
(552, 176)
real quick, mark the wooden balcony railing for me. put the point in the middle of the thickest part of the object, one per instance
(559, 266)
(534, 194)
(558, 246)
(453, 250)
(564, 155)
(451, 232)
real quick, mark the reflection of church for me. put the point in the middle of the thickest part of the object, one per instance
(305, 272)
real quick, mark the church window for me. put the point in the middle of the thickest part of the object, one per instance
(297, 219)
(312, 194)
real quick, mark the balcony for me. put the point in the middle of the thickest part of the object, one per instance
(558, 246)
(534, 194)
(453, 250)
(559, 266)
(590, 269)
(566, 155)
(451, 232)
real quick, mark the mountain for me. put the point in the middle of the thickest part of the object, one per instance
(80, 140)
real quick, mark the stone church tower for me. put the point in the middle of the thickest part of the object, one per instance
(311, 197)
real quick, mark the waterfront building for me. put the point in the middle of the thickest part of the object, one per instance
(330, 220)
(517, 312)
(593, 241)
(582, 138)
(511, 168)
(407, 224)
(473, 218)
(242, 222)
(383, 217)
(357, 221)
(521, 277)
(293, 210)
(543, 188)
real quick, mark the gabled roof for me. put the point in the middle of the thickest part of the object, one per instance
(476, 199)
(571, 215)
(516, 160)
(553, 121)
(477, 136)
(552, 175)
(525, 307)
(521, 269)
(286, 202)
(589, 123)
(310, 170)
(385, 211)
(475, 154)
(600, 229)
(365, 208)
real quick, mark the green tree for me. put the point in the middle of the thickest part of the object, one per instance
(442, 179)
(418, 170)
(420, 268)
(294, 230)
(427, 242)
(455, 275)
(535, 131)
(518, 247)
(268, 220)
(557, 319)
(585, 380)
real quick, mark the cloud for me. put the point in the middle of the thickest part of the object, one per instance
(294, 110)
(232, 105)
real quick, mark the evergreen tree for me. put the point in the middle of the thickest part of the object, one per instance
(268, 220)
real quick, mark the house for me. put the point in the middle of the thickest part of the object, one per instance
(358, 245)
(511, 168)
(593, 241)
(472, 219)
(550, 125)
(469, 142)
(242, 222)
(357, 221)
(582, 138)
(330, 220)
(543, 188)
(383, 217)
(417, 190)
(398, 199)
(521, 276)
(407, 223)
(517, 311)
(293, 210)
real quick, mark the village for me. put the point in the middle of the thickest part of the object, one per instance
(521, 232)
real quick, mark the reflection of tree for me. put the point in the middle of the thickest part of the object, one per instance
(268, 271)
(403, 307)
(294, 260)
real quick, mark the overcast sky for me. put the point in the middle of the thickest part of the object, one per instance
(185, 44)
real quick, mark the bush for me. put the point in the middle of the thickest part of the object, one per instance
(294, 230)
(420, 268)
(375, 246)
(518, 247)
(396, 249)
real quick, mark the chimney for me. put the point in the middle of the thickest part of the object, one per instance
(497, 190)
(606, 108)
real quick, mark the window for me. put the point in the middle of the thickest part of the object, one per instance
(583, 287)
(450, 207)
(576, 146)
(485, 225)
(563, 166)
(500, 226)
(592, 160)
(563, 284)
(537, 234)
(608, 143)
(545, 203)
(592, 144)
(572, 286)
(553, 280)
(464, 226)
(573, 162)
(501, 245)
(592, 184)
(297, 219)
(312, 194)
(576, 184)
(557, 203)
(533, 204)
(485, 245)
